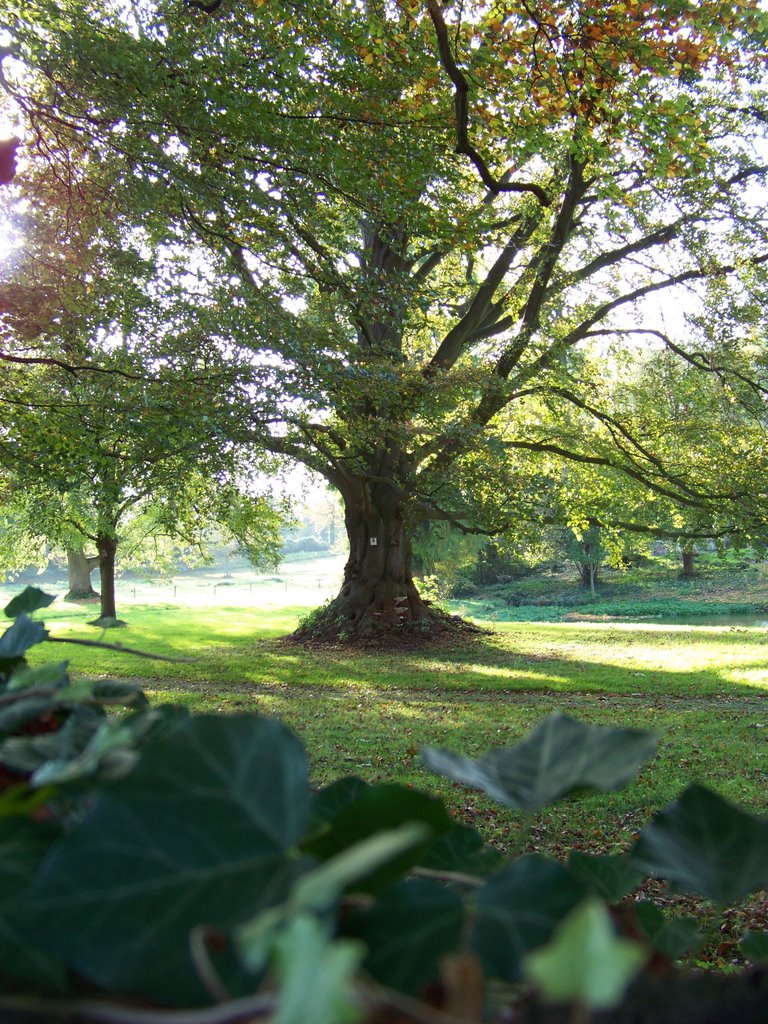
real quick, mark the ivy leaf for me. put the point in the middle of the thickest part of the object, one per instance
(51, 676)
(119, 692)
(380, 807)
(21, 801)
(17, 639)
(703, 844)
(318, 890)
(202, 832)
(16, 715)
(28, 753)
(586, 962)
(519, 909)
(31, 599)
(374, 809)
(561, 755)
(315, 975)
(109, 751)
(671, 936)
(461, 849)
(332, 799)
(23, 845)
(608, 876)
(412, 925)
(755, 946)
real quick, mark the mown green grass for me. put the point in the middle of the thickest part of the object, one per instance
(368, 713)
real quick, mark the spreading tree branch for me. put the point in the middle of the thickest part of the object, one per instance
(461, 104)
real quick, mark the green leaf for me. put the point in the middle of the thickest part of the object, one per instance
(315, 975)
(109, 751)
(52, 675)
(609, 876)
(202, 832)
(18, 638)
(318, 890)
(519, 909)
(14, 716)
(21, 801)
(378, 808)
(586, 962)
(23, 845)
(31, 599)
(671, 936)
(381, 807)
(332, 799)
(65, 697)
(561, 755)
(754, 945)
(462, 849)
(703, 844)
(120, 693)
(412, 925)
(29, 753)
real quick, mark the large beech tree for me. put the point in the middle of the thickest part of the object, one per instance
(433, 231)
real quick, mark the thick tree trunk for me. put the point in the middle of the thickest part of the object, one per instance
(378, 596)
(79, 569)
(688, 560)
(378, 591)
(107, 548)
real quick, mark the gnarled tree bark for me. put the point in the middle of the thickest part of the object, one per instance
(378, 596)
(79, 569)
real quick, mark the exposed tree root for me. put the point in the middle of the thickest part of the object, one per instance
(383, 626)
(86, 596)
(108, 622)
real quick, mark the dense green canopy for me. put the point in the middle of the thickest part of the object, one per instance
(451, 245)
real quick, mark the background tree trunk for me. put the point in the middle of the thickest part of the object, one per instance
(107, 548)
(689, 555)
(588, 572)
(79, 569)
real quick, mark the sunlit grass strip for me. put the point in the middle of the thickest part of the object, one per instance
(241, 647)
(369, 712)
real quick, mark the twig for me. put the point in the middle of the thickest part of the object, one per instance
(378, 996)
(449, 876)
(206, 972)
(115, 1013)
(73, 368)
(116, 647)
(25, 694)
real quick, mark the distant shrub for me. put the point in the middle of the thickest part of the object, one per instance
(494, 565)
(291, 547)
(463, 587)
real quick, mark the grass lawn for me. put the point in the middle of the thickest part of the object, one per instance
(704, 690)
